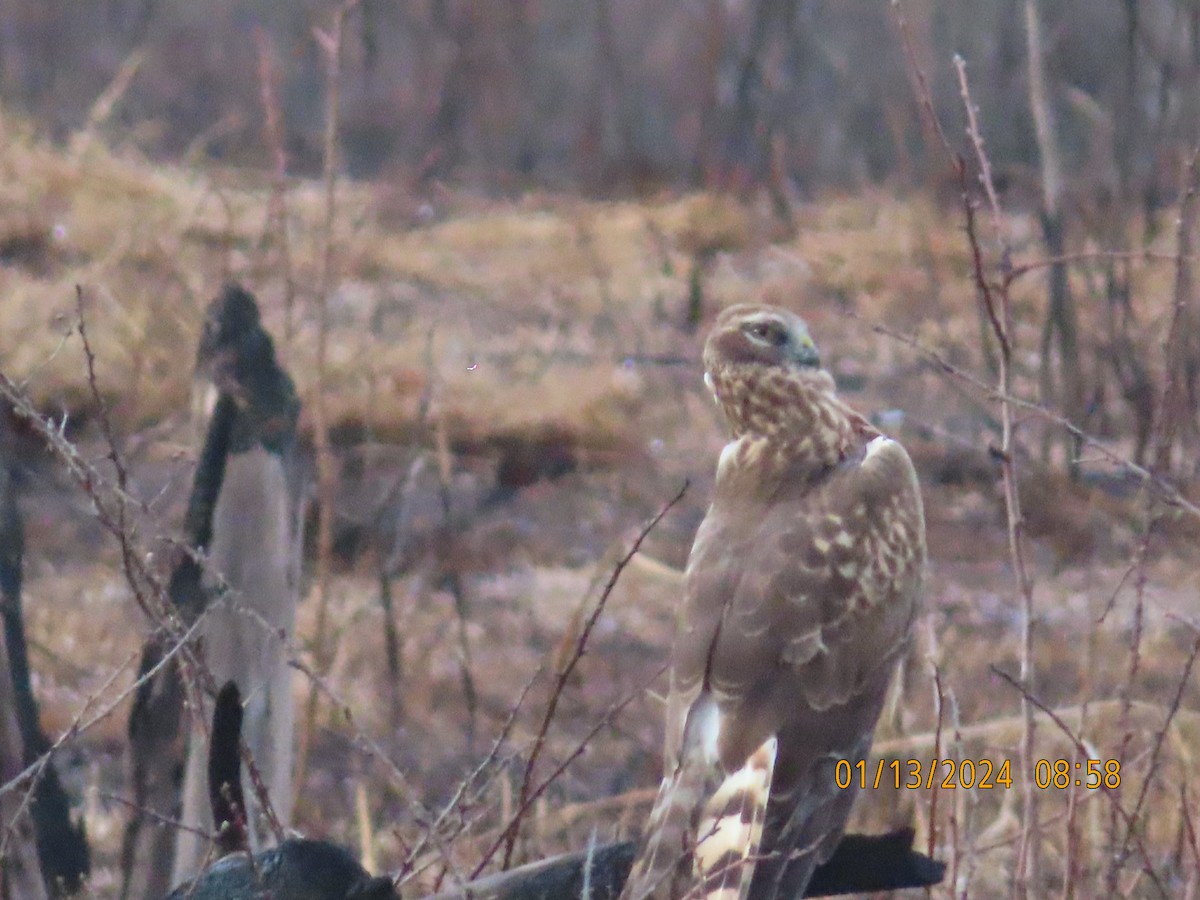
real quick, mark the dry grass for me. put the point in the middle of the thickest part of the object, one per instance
(561, 321)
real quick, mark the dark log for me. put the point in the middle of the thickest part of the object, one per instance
(861, 863)
(297, 869)
(62, 844)
(875, 862)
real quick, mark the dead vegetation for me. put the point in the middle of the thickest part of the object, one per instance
(539, 356)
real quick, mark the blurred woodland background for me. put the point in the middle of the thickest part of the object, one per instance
(618, 94)
(488, 238)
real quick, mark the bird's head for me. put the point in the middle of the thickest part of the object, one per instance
(758, 335)
(764, 370)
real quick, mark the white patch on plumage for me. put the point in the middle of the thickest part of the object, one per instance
(705, 728)
(875, 446)
(728, 452)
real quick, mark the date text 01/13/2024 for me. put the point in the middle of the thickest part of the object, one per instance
(985, 774)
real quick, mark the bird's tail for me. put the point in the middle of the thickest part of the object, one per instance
(704, 831)
(731, 825)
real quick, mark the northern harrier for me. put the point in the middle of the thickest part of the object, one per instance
(800, 593)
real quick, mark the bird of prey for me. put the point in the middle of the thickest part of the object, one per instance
(799, 597)
(251, 572)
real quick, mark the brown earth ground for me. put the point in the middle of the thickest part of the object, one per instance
(547, 337)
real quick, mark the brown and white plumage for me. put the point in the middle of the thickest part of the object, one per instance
(800, 592)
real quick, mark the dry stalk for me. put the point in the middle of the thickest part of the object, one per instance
(1172, 407)
(1082, 749)
(330, 44)
(997, 304)
(102, 108)
(276, 226)
(939, 700)
(454, 581)
(401, 498)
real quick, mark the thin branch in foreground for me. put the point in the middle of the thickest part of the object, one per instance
(1082, 748)
(1163, 490)
(509, 838)
(1160, 736)
(409, 869)
(330, 45)
(523, 809)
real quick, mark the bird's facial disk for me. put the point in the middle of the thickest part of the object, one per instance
(780, 340)
(767, 337)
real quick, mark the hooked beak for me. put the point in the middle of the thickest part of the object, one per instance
(804, 353)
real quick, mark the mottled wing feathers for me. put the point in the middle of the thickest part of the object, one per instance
(799, 597)
(797, 609)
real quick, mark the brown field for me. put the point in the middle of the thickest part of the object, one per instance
(547, 335)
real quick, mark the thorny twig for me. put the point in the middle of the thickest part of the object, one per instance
(409, 870)
(277, 210)
(115, 519)
(1159, 737)
(999, 310)
(125, 531)
(1162, 489)
(997, 306)
(509, 839)
(533, 795)
(1082, 748)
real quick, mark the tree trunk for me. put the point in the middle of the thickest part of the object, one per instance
(1061, 318)
(20, 874)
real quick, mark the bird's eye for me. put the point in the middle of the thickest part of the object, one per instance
(769, 333)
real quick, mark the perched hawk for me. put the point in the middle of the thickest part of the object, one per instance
(800, 593)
